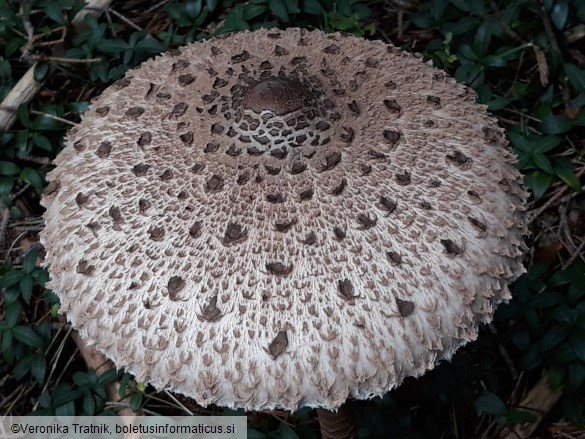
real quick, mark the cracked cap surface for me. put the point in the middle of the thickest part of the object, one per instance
(283, 219)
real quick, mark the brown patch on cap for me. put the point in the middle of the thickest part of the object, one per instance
(174, 286)
(278, 345)
(451, 248)
(345, 289)
(104, 150)
(210, 312)
(84, 267)
(234, 233)
(405, 307)
(279, 268)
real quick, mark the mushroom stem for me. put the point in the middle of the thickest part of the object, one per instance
(339, 424)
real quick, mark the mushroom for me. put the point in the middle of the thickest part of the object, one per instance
(279, 219)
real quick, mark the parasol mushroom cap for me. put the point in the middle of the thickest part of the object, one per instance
(283, 219)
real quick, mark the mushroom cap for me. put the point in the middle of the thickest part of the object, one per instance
(283, 219)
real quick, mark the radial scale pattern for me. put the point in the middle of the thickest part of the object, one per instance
(283, 219)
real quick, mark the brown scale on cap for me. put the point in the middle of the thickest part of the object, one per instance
(278, 197)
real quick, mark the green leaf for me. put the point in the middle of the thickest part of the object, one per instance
(576, 372)
(546, 299)
(313, 7)
(482, 39)
(494, 61)
(542, 162)
(114, 46)
(124, 382)
(67, 409)
(556, 376)
(13, 311)
(13, 44)
(28, 336)
(255, 434)
(22, 115)
(521, 339)
(23, 366)
(542, 144)
(40, 71)
(16, 212)
(538, 182)
(556, 124)
(9, 168)
(234, 21)
(26, 287)
(30, 261)
(88, 404)
(136, 402)
(533, 357)
(64, 394)
(498, 103)
(54, 12)
(577, 342)
(575, 293)
(11, 278)
(559, 14)
(6, 184)
(108, 376)
(554, 336)
(41, 141)
(211, 5)
(12, 293)
(563, 168)
(462, 26)
(466, 52)
(563, 314)
(80, 378)
(490, 403)
(286, 432)
(128, 54)
(422, 21)
(40, 276)
(576, 76)
(438, 8)
(193, 8)
(38, 368)
(278, 8)
(7, 337)
(292, 6)
(344, 7)
(45, 400)
(252, 11)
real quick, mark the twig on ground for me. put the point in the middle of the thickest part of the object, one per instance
(29, 29)
(93, 7)
(125, 20)
(504, 353)
(46, 58)
(577, 254)
(185, 409)
(535, 213)
(100, 364)
(548, 28)
(27, 87)
(54, 362)
(538, 401)
(21, 93)
(158, 5)
(50, 116)
(21, 191)
(5, 212)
